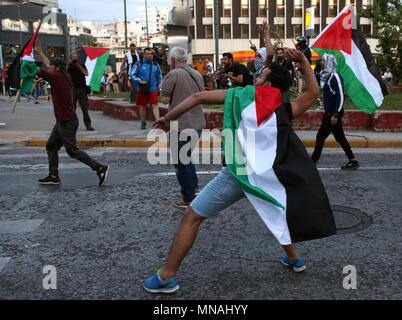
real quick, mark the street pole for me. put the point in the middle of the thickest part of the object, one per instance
(146, 21)
(125, 22)
(216, 27)
(19, 22)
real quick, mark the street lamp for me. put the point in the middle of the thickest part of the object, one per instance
(125, 22)
(146, 21)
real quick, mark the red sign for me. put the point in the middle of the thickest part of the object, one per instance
(3, 73)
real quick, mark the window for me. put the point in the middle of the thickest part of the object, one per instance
(53, 52)
(298, 8)
(367, 3)
(278, 31)
(226, 32)
(316, 5)
(332, 8)
(366, 29)
(244, 31)
(244, 8)
(209, 5)
(208, 32)
(227, 6)
(297, 30)
(262, 8)
(317, 29)
(280, 8)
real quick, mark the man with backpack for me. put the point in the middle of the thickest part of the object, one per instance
(236, 74)
(148, 77)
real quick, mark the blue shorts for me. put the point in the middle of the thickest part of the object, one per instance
(220, 193)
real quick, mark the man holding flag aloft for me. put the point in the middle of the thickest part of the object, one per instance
(64, 131)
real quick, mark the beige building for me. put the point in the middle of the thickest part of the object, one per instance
(239, 21)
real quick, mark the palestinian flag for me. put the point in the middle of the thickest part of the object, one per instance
(24, 67)
(362, 78)
(96, 60)
(273, 167)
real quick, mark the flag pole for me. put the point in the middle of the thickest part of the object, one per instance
(16, 99)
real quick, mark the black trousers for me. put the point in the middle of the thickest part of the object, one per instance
(80, 94)
(323, 133)
(64, 133)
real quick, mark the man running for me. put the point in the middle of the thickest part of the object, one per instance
(305, 221)
(64, 132)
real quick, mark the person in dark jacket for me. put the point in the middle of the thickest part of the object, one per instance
(78, 72)
(333, 98)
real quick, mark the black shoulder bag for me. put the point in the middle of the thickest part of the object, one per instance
(144, 88)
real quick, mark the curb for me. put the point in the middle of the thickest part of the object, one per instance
(142, 143)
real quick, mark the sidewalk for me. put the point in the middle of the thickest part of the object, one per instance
(31, 124)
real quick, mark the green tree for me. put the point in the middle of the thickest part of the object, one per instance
(387, 19)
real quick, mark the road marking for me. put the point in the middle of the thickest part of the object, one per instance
(20, 226)
(3, 262)
(44, 155)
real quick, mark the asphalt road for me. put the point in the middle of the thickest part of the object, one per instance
(103, 241)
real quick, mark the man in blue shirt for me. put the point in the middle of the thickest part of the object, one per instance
(333, 97)
(148, 77)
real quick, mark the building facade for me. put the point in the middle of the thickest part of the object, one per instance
(18, 23)
(239, 21)
(47, 3)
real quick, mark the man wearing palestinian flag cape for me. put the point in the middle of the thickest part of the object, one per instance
(266, 162)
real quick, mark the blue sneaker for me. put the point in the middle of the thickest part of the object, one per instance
(298, 264)
(156, 285)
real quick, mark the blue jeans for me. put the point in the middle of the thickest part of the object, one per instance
(35, 92)
(186, 174)
(220, 193)
(133, 91)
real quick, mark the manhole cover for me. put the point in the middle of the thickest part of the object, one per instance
(350, 220)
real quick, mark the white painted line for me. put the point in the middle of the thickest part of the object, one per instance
(3, 262)
(20, 226)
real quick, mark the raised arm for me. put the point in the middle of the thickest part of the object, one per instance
(303, 102)
(38, 50)
(204, 97)
(268, 44)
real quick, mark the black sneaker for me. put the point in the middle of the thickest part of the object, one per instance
(351, 165)
(50, 180)
(143, 125)
(103, 174)
(90, 129)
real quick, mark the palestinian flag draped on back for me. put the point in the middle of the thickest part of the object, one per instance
(96, 60)
(362, 78)
(24, 67)
(273, 167)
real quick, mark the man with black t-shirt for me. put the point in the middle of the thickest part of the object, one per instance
(236, 74)
(78, 72)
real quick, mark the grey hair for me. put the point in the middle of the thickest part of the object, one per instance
(180, 54)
